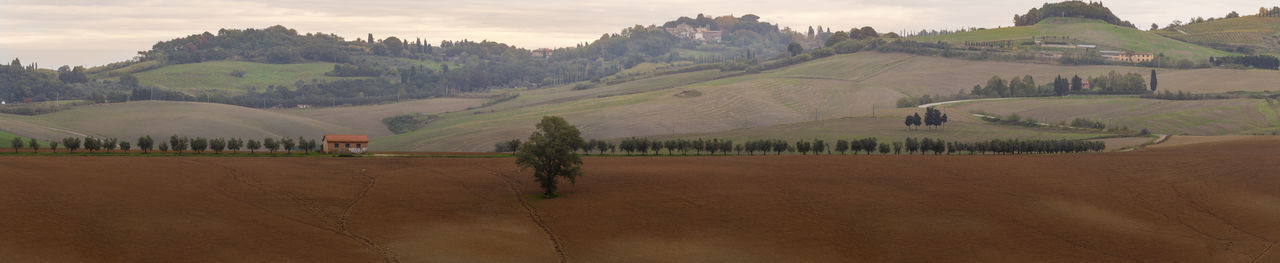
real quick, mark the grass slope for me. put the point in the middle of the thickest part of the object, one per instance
(130, 120)
(1089, 32)
(829, 88)
(216, 75)
(1203, 117)
(1262, 33)
(367, 119)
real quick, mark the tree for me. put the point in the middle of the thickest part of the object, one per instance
(1077, 83)
(795, 48)
(16, 143)
(177, 143)
(549, 152)
(163, 147)
(1154, 26)
(843, 145)
(884, 148)
(254, 145)
(234, 144)
(34, 145)
(124, 146)
(912, 145)
(394, 45)
(145, 143)
(1061, 86)
(836, 38)
(129, 80)
(897, 147)
(271, 144)
(288, 144)
(110, 144)
(997, 85)
(803, 147)
(217, 145)
(72, 143)
(1233, 14)
(1153, 77)
(53, 146)
(819, 146)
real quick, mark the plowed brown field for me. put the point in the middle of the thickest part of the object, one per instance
(1208, 202)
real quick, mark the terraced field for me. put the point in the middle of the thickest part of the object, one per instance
(1203, 117)
(1088, 32)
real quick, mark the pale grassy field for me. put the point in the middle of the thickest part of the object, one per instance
(367, 119)
(1093, 32)
(831, 88)
(155, 118)
(1202, 117)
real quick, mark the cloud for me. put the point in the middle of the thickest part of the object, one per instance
(99, 32)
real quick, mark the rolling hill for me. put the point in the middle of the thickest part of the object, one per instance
(712, 101)
(216, 75)
(158, 119)
(1261, 34)
(1202, 117)
(1087, 31)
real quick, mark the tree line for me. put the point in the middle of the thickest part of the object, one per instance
(870, 145)
(174, 144)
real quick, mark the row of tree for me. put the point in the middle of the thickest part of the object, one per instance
(644, 146)
(176, 144)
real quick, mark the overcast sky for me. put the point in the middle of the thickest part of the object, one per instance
(90, 32)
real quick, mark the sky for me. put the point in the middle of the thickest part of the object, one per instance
(97, 32)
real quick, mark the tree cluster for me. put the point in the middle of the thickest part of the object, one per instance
(1254, 61)
(1091, 10)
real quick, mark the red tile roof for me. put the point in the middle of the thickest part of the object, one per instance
(346, 138)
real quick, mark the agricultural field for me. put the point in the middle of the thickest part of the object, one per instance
(163, 118)
(1261, 33)
(1200, 117)
(1198, 202)
(216, 75)
(1088, 31)
(888, 127)
(840, 86)
(367, 119)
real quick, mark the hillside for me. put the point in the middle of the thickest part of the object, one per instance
(1202, 117)
(1249, 34)
(705, 102)
(216, 75)
(1086, 31)
(161, 119)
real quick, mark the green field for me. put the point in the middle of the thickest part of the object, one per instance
(1261, 33)
(216, 75)
(1087, 32)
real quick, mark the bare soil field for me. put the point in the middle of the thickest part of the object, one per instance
(1207, 202)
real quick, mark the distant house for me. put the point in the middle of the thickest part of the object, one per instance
(1085, 84)
(346, 143)
(542, 53)
(703, 34)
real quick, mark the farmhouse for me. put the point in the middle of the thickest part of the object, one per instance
(346, 143)
(542, 53)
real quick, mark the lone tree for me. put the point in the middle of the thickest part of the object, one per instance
(1153, 80)
(550, 153)
(16, 143)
